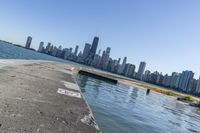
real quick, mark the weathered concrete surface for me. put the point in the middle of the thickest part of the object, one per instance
(29, 102)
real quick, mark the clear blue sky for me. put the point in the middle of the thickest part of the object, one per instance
(164, 33)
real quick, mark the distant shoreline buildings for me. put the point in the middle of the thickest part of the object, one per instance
(183, 82)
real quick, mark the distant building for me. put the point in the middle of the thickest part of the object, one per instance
(147, 76)
(198, 86)
(76, 50)
(159, 79)
(28, 42)
(55, 51)
(105, 58)
(185, 79)
(122, 66)
(141, 70)
(174, 79)
(48, 48)
(114, 66)
(86, 51)
(41, 47)
(129, 70)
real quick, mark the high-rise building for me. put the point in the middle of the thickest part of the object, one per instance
(86, 51)
(198, 86)
(76, 50)
(153, 77)
(28, 42)
(99, 52)
(174, 79)
(47, 49)
(68, 52)
(96, 61)
(94, 46)
(55, 51)
(185, 79)
(93, 50)
(41, 47)
(129, 70)
(147, 75)
(159, 79)
(166, 80)
(105, 58)
(114, 66)
(122, 66)
(141, 70)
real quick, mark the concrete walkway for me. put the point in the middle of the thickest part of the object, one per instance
(42, 97)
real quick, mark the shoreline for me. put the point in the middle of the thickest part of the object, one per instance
(186, 98)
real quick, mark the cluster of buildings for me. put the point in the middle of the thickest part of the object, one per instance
(183, 82)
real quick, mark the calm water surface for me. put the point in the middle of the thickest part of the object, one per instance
(123, 109)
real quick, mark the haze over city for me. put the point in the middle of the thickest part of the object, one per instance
(165, 34)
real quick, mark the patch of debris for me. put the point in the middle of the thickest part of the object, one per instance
(90, 121)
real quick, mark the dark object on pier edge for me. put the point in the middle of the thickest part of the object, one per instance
(148, 91)
(97, 76)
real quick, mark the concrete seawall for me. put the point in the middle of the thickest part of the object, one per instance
(43, 97)
(98, 76)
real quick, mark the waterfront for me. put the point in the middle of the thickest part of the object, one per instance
(124, 109)
(9, 51)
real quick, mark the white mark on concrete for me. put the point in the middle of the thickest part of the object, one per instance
(69, 93)
(67, 72)
(70, 85)
(72, 68)
(6, 62)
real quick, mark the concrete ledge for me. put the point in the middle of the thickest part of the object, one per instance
(98, 76)
(42, 96)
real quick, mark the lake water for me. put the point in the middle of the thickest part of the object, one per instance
(123, 109)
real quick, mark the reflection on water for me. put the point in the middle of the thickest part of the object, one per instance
(123, 109)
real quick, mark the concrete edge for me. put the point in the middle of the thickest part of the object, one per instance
(88, 120)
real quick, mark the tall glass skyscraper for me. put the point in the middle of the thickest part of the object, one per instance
(93, 50)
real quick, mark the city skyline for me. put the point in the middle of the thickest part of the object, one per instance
(162, 33)
(181, 81)
(77, 50)
(120, 57)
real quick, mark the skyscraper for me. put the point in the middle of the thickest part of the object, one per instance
(94, 46)
(93, 50)
(105, 58)
(41, 47)
(122, 67)
(28, 42)
(86, 50)
(141, 70)
(185, 79)
(129, 70)
(76, 50)
(48, 47)
(198, 86)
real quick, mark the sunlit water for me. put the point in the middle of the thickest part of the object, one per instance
(123, 109)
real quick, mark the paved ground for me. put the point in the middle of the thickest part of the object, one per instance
(30, 101)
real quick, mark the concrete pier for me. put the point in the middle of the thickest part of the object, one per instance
(42, 97)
